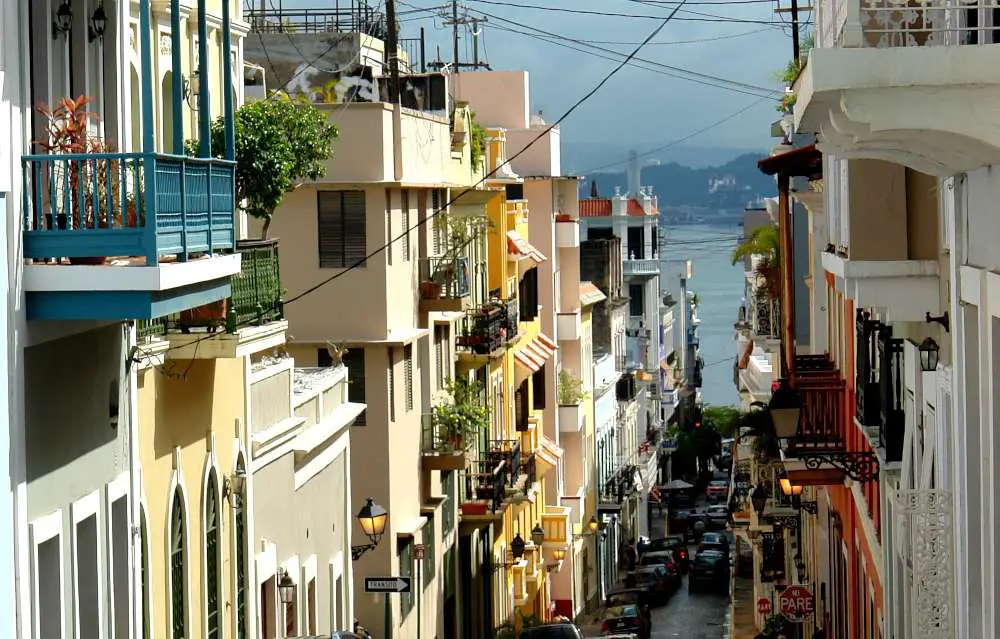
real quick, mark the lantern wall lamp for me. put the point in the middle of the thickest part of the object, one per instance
(62, 21)
(98, 23)
(372, 519)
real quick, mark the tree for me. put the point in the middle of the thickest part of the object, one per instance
(280, 143)
(764, 242)
(723, 419)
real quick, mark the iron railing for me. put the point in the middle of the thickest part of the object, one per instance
(482, 330)
(866, 369)
(821, 390)
(893, 420)
(347, 16)
(513, 316)
(257, 293)
(449, 275)
(100, 205)
(149, 328)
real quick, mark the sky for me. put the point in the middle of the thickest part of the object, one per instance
(742, 41)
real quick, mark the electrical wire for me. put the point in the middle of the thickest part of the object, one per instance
(679, 140)
(421, 222)
(702, 17)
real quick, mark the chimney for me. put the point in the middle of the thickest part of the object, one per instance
(593, 189)
(634, 174)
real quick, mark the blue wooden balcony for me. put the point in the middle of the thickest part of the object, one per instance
(102, 231)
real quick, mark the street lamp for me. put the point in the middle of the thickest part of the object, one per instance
(593, 524)
(63, 20)
(929, 352)
(790, 489)
(286, 588)
(785, 409)
(233, 487)
(538, 535)
(98, 22)
(517, 547)
(372, 518)
(559, 553)
(759, 499)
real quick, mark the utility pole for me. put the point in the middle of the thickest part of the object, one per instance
(454, 33)
(392, 50)
(794, 9)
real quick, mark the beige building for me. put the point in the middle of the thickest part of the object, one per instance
(389, 173)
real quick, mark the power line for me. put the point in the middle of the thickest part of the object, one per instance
(685, 72)
(702, 17)
(685, 138)
(406, 232)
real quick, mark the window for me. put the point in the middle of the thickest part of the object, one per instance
(311, 606)
(291, 618)
(404, 549)
(635, 243)
(636, 301)
(388, 226)
(178, 569)
(392, 384)
(354, 360)
(49, 582)
(241, 560)
(429, 537)
(268, 625)
(121, 589)
(87, 578)
(527, 294)
(212, 556)
(408, 370)
(440, 339)
(405, 231)
(448, 568)
(341, 228)
(538, 389)
(448, 507)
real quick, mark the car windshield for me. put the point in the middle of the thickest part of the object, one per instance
(713, 538)
(719, 483)
(718, 510)
(707, 559)
(617, 612)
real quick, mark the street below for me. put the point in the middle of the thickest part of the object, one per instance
(701, 615)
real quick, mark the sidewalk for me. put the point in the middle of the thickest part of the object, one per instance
(744, 626)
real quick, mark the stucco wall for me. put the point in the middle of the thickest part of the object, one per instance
(189, 414)
(313, 523)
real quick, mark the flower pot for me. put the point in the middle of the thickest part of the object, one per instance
(211, 316)
(430, 290)
(473, 508)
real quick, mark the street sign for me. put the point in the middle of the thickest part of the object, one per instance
(419, 551)
(796, 603)
(387, 584)
(763, 606)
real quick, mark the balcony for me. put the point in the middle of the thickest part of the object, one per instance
(486, 483)
(765, 317)
(444, 284)
(251, 319)
(438, 450)
(115, 236)
(883, 72)
(484, 330)
(567, 234)
(892, 418)
(907, 288)
(571, 418)
(568, 326)
(640, 267)
(821, 390)
(556, 524)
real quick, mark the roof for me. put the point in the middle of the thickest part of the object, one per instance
(601, 207)
(590, 294)
(805, 161)
(519, 247)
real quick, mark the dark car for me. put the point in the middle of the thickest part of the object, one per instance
(655, 579)
(664, 558)
(675, 544)
(551, 631)
(710, 570)
(714, 541)
(626, 618)
(638, 596)
(717, 490)
(718, 517)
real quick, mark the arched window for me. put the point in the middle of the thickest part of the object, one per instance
(178, 569)
(144, 572)
(212, 555)
(239, 514)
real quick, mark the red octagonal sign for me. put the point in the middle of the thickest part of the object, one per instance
(796, 603)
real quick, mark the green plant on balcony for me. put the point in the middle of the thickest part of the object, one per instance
(459, 419)
(280, 143)
(571, 391)
(774, 625)
(765, 243)
(87, 191)
(758, 425)
(477, 142)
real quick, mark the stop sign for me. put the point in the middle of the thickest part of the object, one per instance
(764, 606)
(796, 602)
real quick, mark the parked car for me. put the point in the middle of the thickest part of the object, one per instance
(677, 545)
(552, 631)
(657, 579)
(638, 596)
(626, 618)
(714, 541)
(709, 570)
(664, 558)
(717, 490)
(718, 517)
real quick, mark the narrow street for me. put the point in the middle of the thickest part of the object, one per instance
(698, 616)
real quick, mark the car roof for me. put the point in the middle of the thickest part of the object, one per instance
(657, 553)
(647, 570)
(714, 535)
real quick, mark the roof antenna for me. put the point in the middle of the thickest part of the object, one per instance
(593, 189)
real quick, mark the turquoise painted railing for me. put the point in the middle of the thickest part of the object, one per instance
(95, 205)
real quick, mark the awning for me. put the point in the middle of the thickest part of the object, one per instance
(548, 451)
(590, 294)
(537, 351)
(747, 352)
(518, 247)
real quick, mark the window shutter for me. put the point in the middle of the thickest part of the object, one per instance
(392, 385)
(439, 355)
(330, 220)
(355, 236)
(408, 364)
(538, 388)
(405, 231)
(388, 226)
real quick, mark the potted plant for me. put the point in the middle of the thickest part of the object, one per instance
(571, 391)
(461, 417)
(430, 289)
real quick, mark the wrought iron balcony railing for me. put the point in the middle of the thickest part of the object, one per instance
(893, 420)
(450, 277)
(866, 369)
(483, 329)
(347, 17)
(97, 206)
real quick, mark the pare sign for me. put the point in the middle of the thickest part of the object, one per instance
(796, 603)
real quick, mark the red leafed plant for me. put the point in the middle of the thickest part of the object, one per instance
(69, 130)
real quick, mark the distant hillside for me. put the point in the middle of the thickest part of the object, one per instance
(704, 191)
(582, 156)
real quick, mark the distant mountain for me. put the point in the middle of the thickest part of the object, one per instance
(725, 189)
(580, 158)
